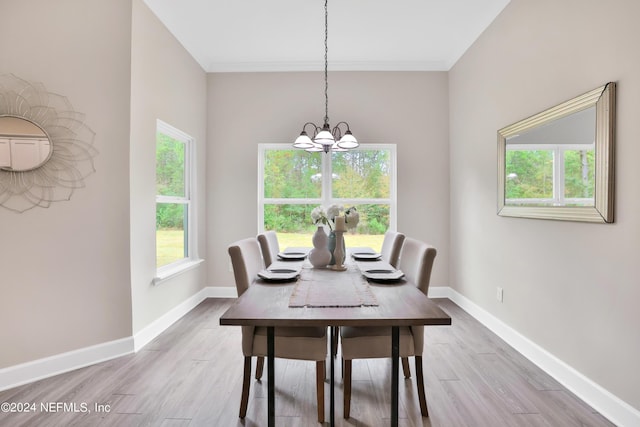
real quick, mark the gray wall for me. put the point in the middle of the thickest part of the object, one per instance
(572, 288)
(409, 109)
(166, 84)
(65, 281)
(79, 273)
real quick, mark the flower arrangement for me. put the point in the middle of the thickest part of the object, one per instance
(328, 217)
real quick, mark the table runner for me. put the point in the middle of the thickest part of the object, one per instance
(327, 288)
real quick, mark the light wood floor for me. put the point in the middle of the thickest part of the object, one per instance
(191, 376)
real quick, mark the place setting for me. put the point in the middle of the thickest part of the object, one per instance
(293, 254)
(366, 256)
(380, 272)
(279, 274)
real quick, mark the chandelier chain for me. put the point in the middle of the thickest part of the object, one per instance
(326, 56)
(325, 139)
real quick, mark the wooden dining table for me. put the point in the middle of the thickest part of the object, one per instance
(398, 303)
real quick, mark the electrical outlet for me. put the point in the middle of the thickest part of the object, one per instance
(499, 294)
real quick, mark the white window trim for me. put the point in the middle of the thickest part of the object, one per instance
(325, 198)
(193, 260)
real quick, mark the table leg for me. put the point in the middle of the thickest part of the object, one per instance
(332, 397)
(395, 367)
(271, 398)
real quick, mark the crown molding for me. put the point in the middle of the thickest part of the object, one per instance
(286, 66)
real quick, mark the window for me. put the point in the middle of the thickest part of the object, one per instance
(558, 174)
(292, 182)
(175, 212)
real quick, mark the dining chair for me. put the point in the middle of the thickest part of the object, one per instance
(416, 262)
(302, 343)
(269, 246)
(391, 247)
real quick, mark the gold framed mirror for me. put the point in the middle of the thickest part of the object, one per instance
(559, 163)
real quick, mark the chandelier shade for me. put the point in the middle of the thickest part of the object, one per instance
(325, 138)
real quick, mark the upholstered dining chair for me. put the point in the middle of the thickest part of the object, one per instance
(416, 262)
(391, 247)
(303, 343)
(269, 246)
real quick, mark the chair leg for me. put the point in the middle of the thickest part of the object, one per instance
(347, 388)
(246, 384)
(420, 383)
(336, 333)
(320, 368)
(259, 367)
(405, 367)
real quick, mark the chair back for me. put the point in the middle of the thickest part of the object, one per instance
(269, 246)
(416, 262)
(391, 247)
(246, 261)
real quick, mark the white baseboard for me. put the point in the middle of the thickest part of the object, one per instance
(158, 326)
(613, 408)
(24, 373)
(222, 292)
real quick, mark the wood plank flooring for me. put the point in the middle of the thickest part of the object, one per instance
(191, 375)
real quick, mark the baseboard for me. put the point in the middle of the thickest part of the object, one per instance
(36, 370)
(439, 292)
(158, 326)
(146, 335)
(222, 292)
(610, 406)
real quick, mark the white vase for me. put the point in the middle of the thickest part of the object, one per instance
(319, 256)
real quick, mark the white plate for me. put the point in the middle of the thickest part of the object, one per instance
(279, 274)
(383, 275)
(366, 256)
(292, 255)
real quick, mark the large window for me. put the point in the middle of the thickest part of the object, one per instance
(558, 174)
(175, 213)
(292, 182)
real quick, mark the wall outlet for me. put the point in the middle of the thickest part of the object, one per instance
(499, 294)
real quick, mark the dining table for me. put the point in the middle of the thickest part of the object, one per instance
(333, 298)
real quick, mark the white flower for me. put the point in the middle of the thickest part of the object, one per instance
(318, 215)
(352, 217)
(333, 211)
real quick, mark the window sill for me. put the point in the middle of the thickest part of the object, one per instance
(171, 271)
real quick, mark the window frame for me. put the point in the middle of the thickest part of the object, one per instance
(325, 198)
(189, 200)
(557, 151)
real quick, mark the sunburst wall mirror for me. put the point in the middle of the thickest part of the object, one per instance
(46, 149)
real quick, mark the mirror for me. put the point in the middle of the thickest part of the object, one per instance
(46, 149)
(23, 145)
(559, 164)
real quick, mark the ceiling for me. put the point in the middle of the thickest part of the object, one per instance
(288, 35)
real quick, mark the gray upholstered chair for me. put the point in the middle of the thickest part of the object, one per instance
(304, 343)
(391, 247)
(416, 262)
(269, 246)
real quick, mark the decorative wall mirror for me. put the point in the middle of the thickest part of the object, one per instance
(46, 149)
(559, 164)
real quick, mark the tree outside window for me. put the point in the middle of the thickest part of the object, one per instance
(293, 182)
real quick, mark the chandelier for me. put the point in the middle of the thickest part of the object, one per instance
(325, 138)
